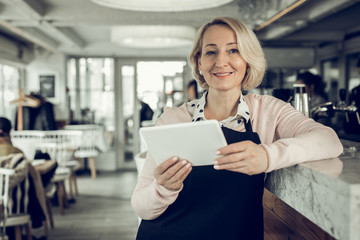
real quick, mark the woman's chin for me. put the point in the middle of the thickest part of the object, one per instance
(224, 87)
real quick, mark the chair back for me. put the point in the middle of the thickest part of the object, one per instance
(4, 196)
(19, 205)
(61, 144)
(5, 174)
(18, 184)
(92, 140)
(27, 141)
(17, 200)
(11, 179)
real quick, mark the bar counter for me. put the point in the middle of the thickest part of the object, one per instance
(326, 192)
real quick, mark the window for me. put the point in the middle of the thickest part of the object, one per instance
(93, 92)
(9, 84)
(354, 75)
(159, 83)
(330, 70)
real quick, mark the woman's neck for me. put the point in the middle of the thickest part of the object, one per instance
(220, 104)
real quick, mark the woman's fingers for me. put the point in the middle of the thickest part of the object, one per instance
(245, 157)
(230, 158)
(241, 166)
(182, 173)
(172, 173)
(230, 165)
(234, 147)
(165, 165)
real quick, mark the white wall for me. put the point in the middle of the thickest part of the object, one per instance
(49, 64)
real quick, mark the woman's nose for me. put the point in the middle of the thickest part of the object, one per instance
(222, 59)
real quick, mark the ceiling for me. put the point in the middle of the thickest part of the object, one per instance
(82, 27)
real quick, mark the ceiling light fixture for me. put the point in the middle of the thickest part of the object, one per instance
(154, 36)
(162, 5)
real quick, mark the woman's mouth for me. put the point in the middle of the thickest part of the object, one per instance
(222, 74)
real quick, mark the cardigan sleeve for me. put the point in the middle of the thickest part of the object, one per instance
(289, 137)
(149, 199)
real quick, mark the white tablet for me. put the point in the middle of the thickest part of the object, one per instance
(196, 142)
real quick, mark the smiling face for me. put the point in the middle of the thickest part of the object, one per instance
(220, 61)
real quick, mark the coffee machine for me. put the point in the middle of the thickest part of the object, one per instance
(345, 117)
(301, 99)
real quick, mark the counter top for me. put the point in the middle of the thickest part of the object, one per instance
(327, 192)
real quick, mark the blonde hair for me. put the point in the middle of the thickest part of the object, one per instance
(249, 48)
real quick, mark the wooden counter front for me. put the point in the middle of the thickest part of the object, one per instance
(283, 222)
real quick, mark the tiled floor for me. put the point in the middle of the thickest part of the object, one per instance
(102, 211)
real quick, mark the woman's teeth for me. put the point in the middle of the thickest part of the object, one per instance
(222, 74)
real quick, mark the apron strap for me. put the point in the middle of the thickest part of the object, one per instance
(248, 126)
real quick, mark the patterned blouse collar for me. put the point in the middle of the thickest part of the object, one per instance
(196, 108)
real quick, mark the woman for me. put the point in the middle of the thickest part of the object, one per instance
(224, 201)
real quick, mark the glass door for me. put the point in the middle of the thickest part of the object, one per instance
(131, 116)
(141, 97)
(127, 114)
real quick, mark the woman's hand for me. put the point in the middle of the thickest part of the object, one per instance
(172, 173)
(245, 157)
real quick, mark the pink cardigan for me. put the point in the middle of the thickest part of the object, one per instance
(287, 136)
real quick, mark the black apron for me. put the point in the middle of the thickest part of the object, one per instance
(213, 204)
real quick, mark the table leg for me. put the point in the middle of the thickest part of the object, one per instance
(92, 167)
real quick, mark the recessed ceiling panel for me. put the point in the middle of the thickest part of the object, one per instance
(162, 5)
(158, 36)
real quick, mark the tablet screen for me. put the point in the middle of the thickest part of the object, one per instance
(196, 142)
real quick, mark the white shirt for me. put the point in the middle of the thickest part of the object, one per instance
(196, 109)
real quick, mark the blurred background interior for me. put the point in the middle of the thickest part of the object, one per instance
(107, 68)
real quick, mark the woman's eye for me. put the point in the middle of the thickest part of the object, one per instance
(234, 50)
(210, 52)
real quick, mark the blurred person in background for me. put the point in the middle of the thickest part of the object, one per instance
(146, 113)
(6, 146)
(315, 87)
(192, 90)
